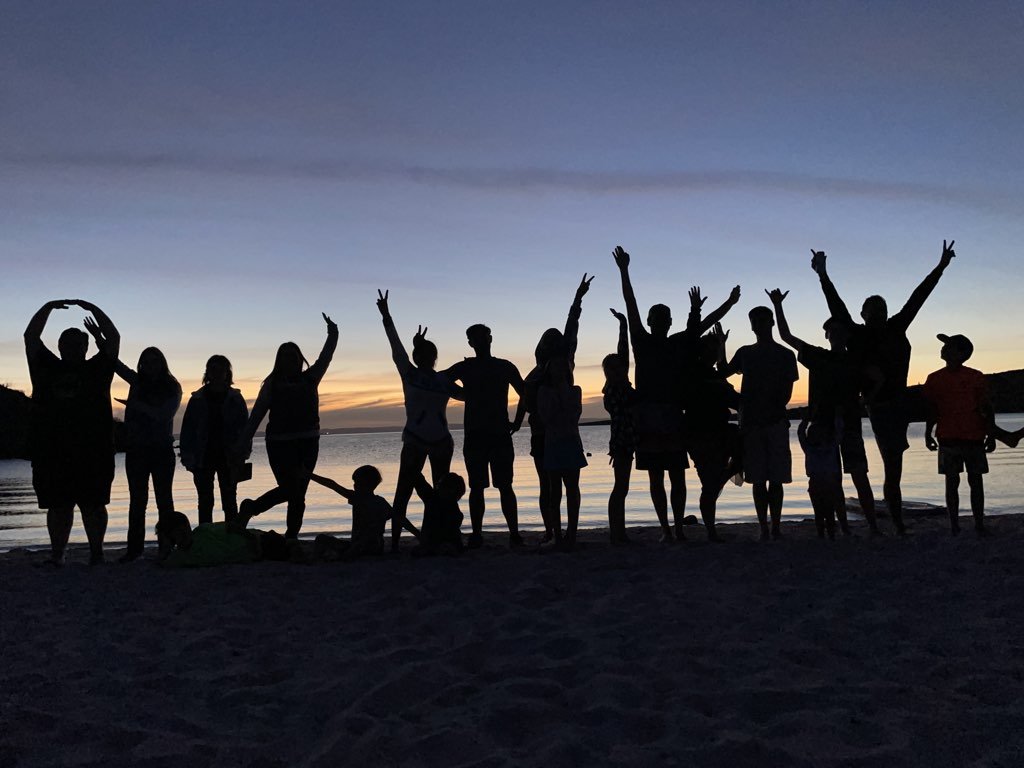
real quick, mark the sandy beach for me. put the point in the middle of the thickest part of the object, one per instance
(861, 652)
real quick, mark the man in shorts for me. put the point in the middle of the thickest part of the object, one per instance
(487, 432)
(881, 353)
(962, 418)
(769, 370)
(72, 429)
(833, 399)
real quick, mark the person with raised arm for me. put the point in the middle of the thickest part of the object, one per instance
(619, 401)
(487, 432)
(289, 394)
(834, 401)
(426, 434)
(553, 343)
(881, 352)
(71, 441)
(214, 421)
(154, 396)
(769, 370)
(660, 370)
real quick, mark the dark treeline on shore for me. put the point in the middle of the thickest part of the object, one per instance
(1006, 388)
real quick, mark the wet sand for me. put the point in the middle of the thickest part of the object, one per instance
(861, 652)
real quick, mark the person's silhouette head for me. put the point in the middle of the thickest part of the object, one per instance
(218, 371)
(837, 331)
(152, 365)
(479, 338)
(956, 350)
(551, 343)
(424, 353)
(289, 360)
(874, 310)
(659, 319)
(174, 529)
(73, 344)
(616, 370)
(762, 320)
(452, 487)
(366, 478)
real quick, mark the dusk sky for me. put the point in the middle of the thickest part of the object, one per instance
(214, 175)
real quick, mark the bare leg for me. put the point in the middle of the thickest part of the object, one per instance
(761, 507)
(572, 503)
(866, 498)
(660, 501)
(58, 524)
(953, 502)
(410, 466)
(775, 505)
(892, 463)
(94, 519)
(510, 508)
(617, 501)
(977, 484)
(553, 506)
(677, 477)
(476, 515)
(544, 500)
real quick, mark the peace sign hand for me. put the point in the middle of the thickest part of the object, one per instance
(382, 303)
(584, 286)
(948, 254)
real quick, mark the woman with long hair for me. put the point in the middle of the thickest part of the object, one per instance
(153, 398)
(215, 419)
(289, 394)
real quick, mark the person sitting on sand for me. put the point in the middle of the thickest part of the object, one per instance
(72, 426)
(769, 370)
(217, 543)
(426, 434)
(820, 442)
(619, 401)
(441, 532)
(370, 514)
(962, 418)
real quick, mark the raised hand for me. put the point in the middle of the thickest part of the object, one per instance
(719, 335)
(421, 334)
(696, 302)
(734, 294)
(584, 286)
(330, 323)
(621, 257)
(776, 296)
(617, 315)
(948, 254)
(818, 261)
(382, 303)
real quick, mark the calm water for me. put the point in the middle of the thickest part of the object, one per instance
(22, 523)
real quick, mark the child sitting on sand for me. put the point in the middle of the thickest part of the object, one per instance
(370, 514)
(216, 543)
(962, 418)
(441, 532)
(820, 443)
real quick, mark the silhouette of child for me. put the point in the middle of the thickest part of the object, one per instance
(820, 442)
(441, 532)
(216, 543)
(370, 514)
(560, 404)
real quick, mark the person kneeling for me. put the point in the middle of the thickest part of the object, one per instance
(216, 543)
(441, 533)
(370, 514)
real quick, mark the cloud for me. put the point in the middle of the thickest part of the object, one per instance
(513, 178)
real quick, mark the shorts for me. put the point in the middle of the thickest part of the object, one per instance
(482, 451)
(711, 453)
(766, 454)
(621, 457)
(660, 442)
(83, 481)
(889, 422)
(851, 446)
(562, 454)
(956, 456)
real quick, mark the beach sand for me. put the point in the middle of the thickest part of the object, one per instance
(861, 652)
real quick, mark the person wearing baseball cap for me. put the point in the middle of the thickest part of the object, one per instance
(961, 417)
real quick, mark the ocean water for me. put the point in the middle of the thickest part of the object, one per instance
(23, 524)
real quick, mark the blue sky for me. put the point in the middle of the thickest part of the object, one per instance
(215, 175)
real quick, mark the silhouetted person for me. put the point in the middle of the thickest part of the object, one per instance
(660, 385)
(559, 404)
(425, 435)
(712, 437)
(553, 343)
(832, 393)
(441, 532)
(769, 370)
(154, 396)
(619, 401)
(211, 430)
(487, 438)
(961, 411)
(290, 396)
(210, 544)
(820, 443)
(370, 514)
(881, 351)
(71, 439)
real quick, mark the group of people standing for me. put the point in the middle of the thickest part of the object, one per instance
(680, 409)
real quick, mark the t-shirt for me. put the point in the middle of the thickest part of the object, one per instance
(659, 367)
(485, 381)
(217, 544)
(821, 459)
(71, 411)
(769, 370)
(882, 353)
(959, 396)
(832, 384)
(426, 401)
(370, 514)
